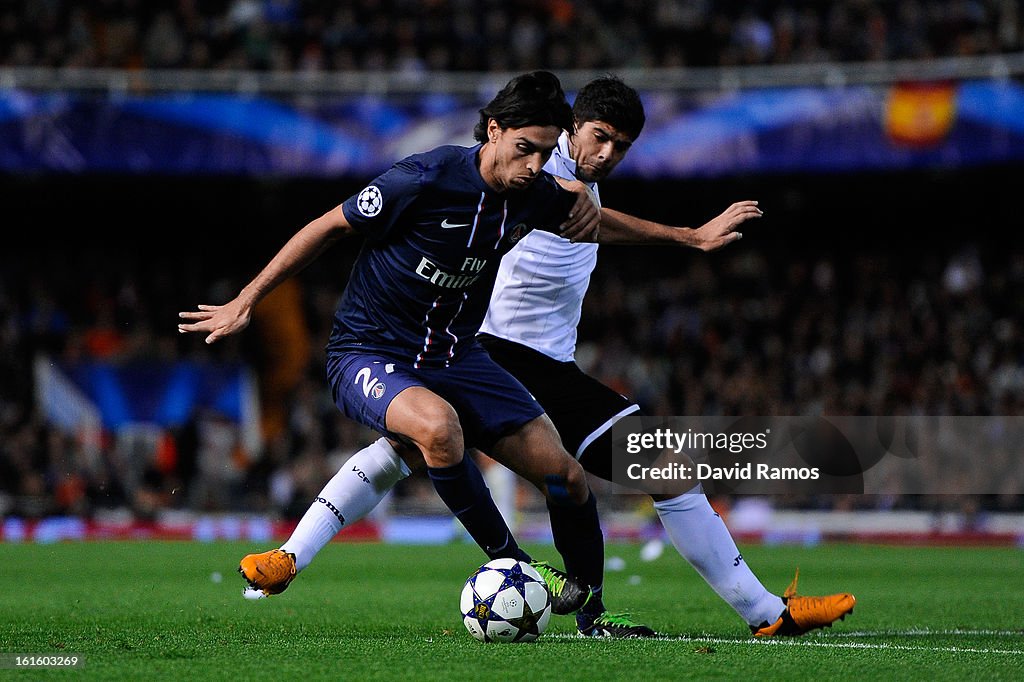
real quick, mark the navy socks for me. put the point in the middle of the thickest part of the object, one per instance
(578, 538)
(462, 488)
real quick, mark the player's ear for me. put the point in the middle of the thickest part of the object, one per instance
(492, 130)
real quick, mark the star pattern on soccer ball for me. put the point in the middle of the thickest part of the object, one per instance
(528, 622)
(483, 611)
(514, 577)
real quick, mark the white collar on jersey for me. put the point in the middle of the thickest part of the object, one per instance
(562, 165)
(563, 158)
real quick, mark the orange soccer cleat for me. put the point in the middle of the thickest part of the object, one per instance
(804, 614)
(269, 572)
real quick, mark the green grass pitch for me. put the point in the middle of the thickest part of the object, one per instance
(155, 610)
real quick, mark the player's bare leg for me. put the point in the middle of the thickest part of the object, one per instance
(437, 433)
(535, 452)
(431, 424)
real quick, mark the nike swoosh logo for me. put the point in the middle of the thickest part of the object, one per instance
(447, 225)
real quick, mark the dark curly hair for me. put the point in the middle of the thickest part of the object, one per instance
(610, 100)
(531, 99)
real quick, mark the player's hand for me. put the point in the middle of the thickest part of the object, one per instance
(584, 220)
(216, 321)
(722, 230)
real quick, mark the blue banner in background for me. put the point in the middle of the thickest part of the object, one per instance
(688, 135)
(167, 395)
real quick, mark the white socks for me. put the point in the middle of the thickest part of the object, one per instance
(359, 486)
(703, 539)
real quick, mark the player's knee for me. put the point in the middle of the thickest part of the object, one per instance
(569, 486)
(576, 482)
(439, 435)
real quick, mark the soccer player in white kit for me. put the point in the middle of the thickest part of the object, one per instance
(530, 330)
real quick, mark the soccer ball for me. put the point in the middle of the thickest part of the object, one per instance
(505, 601)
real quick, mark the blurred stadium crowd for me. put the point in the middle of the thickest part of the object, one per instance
(749, 331)
(744, 332)
(481, 35)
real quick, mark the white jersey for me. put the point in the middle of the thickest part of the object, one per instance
(538, 295)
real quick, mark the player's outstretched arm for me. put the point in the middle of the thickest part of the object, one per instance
(621, 228)
(217, 321)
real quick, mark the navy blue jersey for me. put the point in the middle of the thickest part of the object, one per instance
(434, 234)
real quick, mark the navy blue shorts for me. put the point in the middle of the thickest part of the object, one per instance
(490, 402)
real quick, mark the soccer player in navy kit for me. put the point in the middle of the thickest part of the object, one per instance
(530, 329)
(403, 358)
